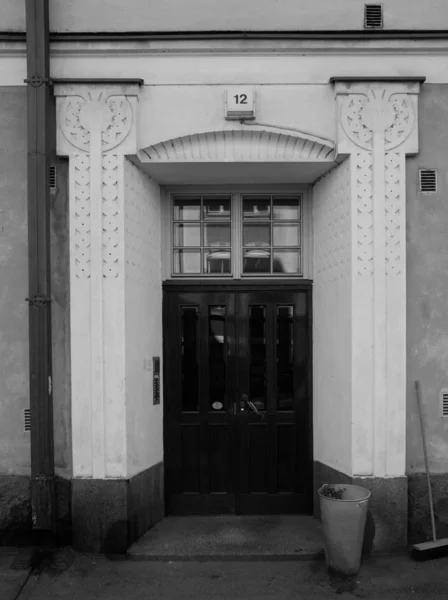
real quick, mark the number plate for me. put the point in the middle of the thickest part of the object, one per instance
(240, 103)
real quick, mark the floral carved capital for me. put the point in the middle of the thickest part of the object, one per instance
(110, 115)
(364, 114)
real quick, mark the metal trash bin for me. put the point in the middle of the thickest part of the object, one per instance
(344, 523)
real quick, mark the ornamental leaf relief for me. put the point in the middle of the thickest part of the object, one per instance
(72, 125)
(403, 122)
(376, 110)
(111, 216)
(394, 216)
(352, 120)
(111, 115)
(118, 124)
(364, 213)
(81, 216)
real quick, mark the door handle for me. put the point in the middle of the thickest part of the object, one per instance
(251, 405)
(244, 400)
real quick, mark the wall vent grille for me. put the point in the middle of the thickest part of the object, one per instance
(428, 181)
(444, 402)
(373, 16)
(52, 178)
(27, 419)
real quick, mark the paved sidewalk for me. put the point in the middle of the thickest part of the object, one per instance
(70, 576)
(11, 579)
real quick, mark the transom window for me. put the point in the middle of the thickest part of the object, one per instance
(236, 235)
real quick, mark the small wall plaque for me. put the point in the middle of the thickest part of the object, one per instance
(155, 380)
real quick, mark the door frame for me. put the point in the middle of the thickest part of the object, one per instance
(238, 285)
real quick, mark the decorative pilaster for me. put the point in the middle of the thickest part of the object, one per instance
(377, 126)
(96, 128)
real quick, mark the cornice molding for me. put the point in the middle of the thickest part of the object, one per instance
(248, 35)
(242, 145)
(253, 47)
(142, 44)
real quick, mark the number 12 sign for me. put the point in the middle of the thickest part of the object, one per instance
(240, 103)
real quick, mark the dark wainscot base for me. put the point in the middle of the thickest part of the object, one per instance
(109, 515)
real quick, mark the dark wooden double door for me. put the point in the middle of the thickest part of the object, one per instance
(237, 425)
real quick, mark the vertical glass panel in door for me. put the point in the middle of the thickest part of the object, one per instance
(257, 356)
(189, 354)
(217, 351)
(285, 357)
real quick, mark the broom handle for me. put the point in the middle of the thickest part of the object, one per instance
(431, 508)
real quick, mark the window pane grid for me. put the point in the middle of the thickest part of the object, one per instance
(268, 235)
(202, 235)
(271, 235)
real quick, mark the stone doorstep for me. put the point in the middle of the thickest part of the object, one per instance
(247, 557)
(224, 538)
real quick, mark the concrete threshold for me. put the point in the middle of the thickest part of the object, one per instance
(231, 538)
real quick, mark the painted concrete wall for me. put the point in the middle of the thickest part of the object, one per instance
(266, 65)
(215, 15)
(14, 387)
(143, 314)
(332, 359)
(12, 15)
(427, 284)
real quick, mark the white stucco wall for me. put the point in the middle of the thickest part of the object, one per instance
(143, 315)
(332, 323)
(188, 110)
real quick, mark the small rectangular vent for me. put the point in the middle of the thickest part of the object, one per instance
(52, 179)
(373, 16)
(27, 419)
(444, 403)
(428, 181)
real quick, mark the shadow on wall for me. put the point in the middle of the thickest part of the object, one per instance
(369, 534)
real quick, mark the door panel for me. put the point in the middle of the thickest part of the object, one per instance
(199, 438)
(273, 348)
(237, 402)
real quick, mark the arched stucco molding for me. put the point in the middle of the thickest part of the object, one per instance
(253, 144)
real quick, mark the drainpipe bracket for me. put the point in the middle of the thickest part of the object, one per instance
(37, 80)
(42, 478)
(39, 300)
